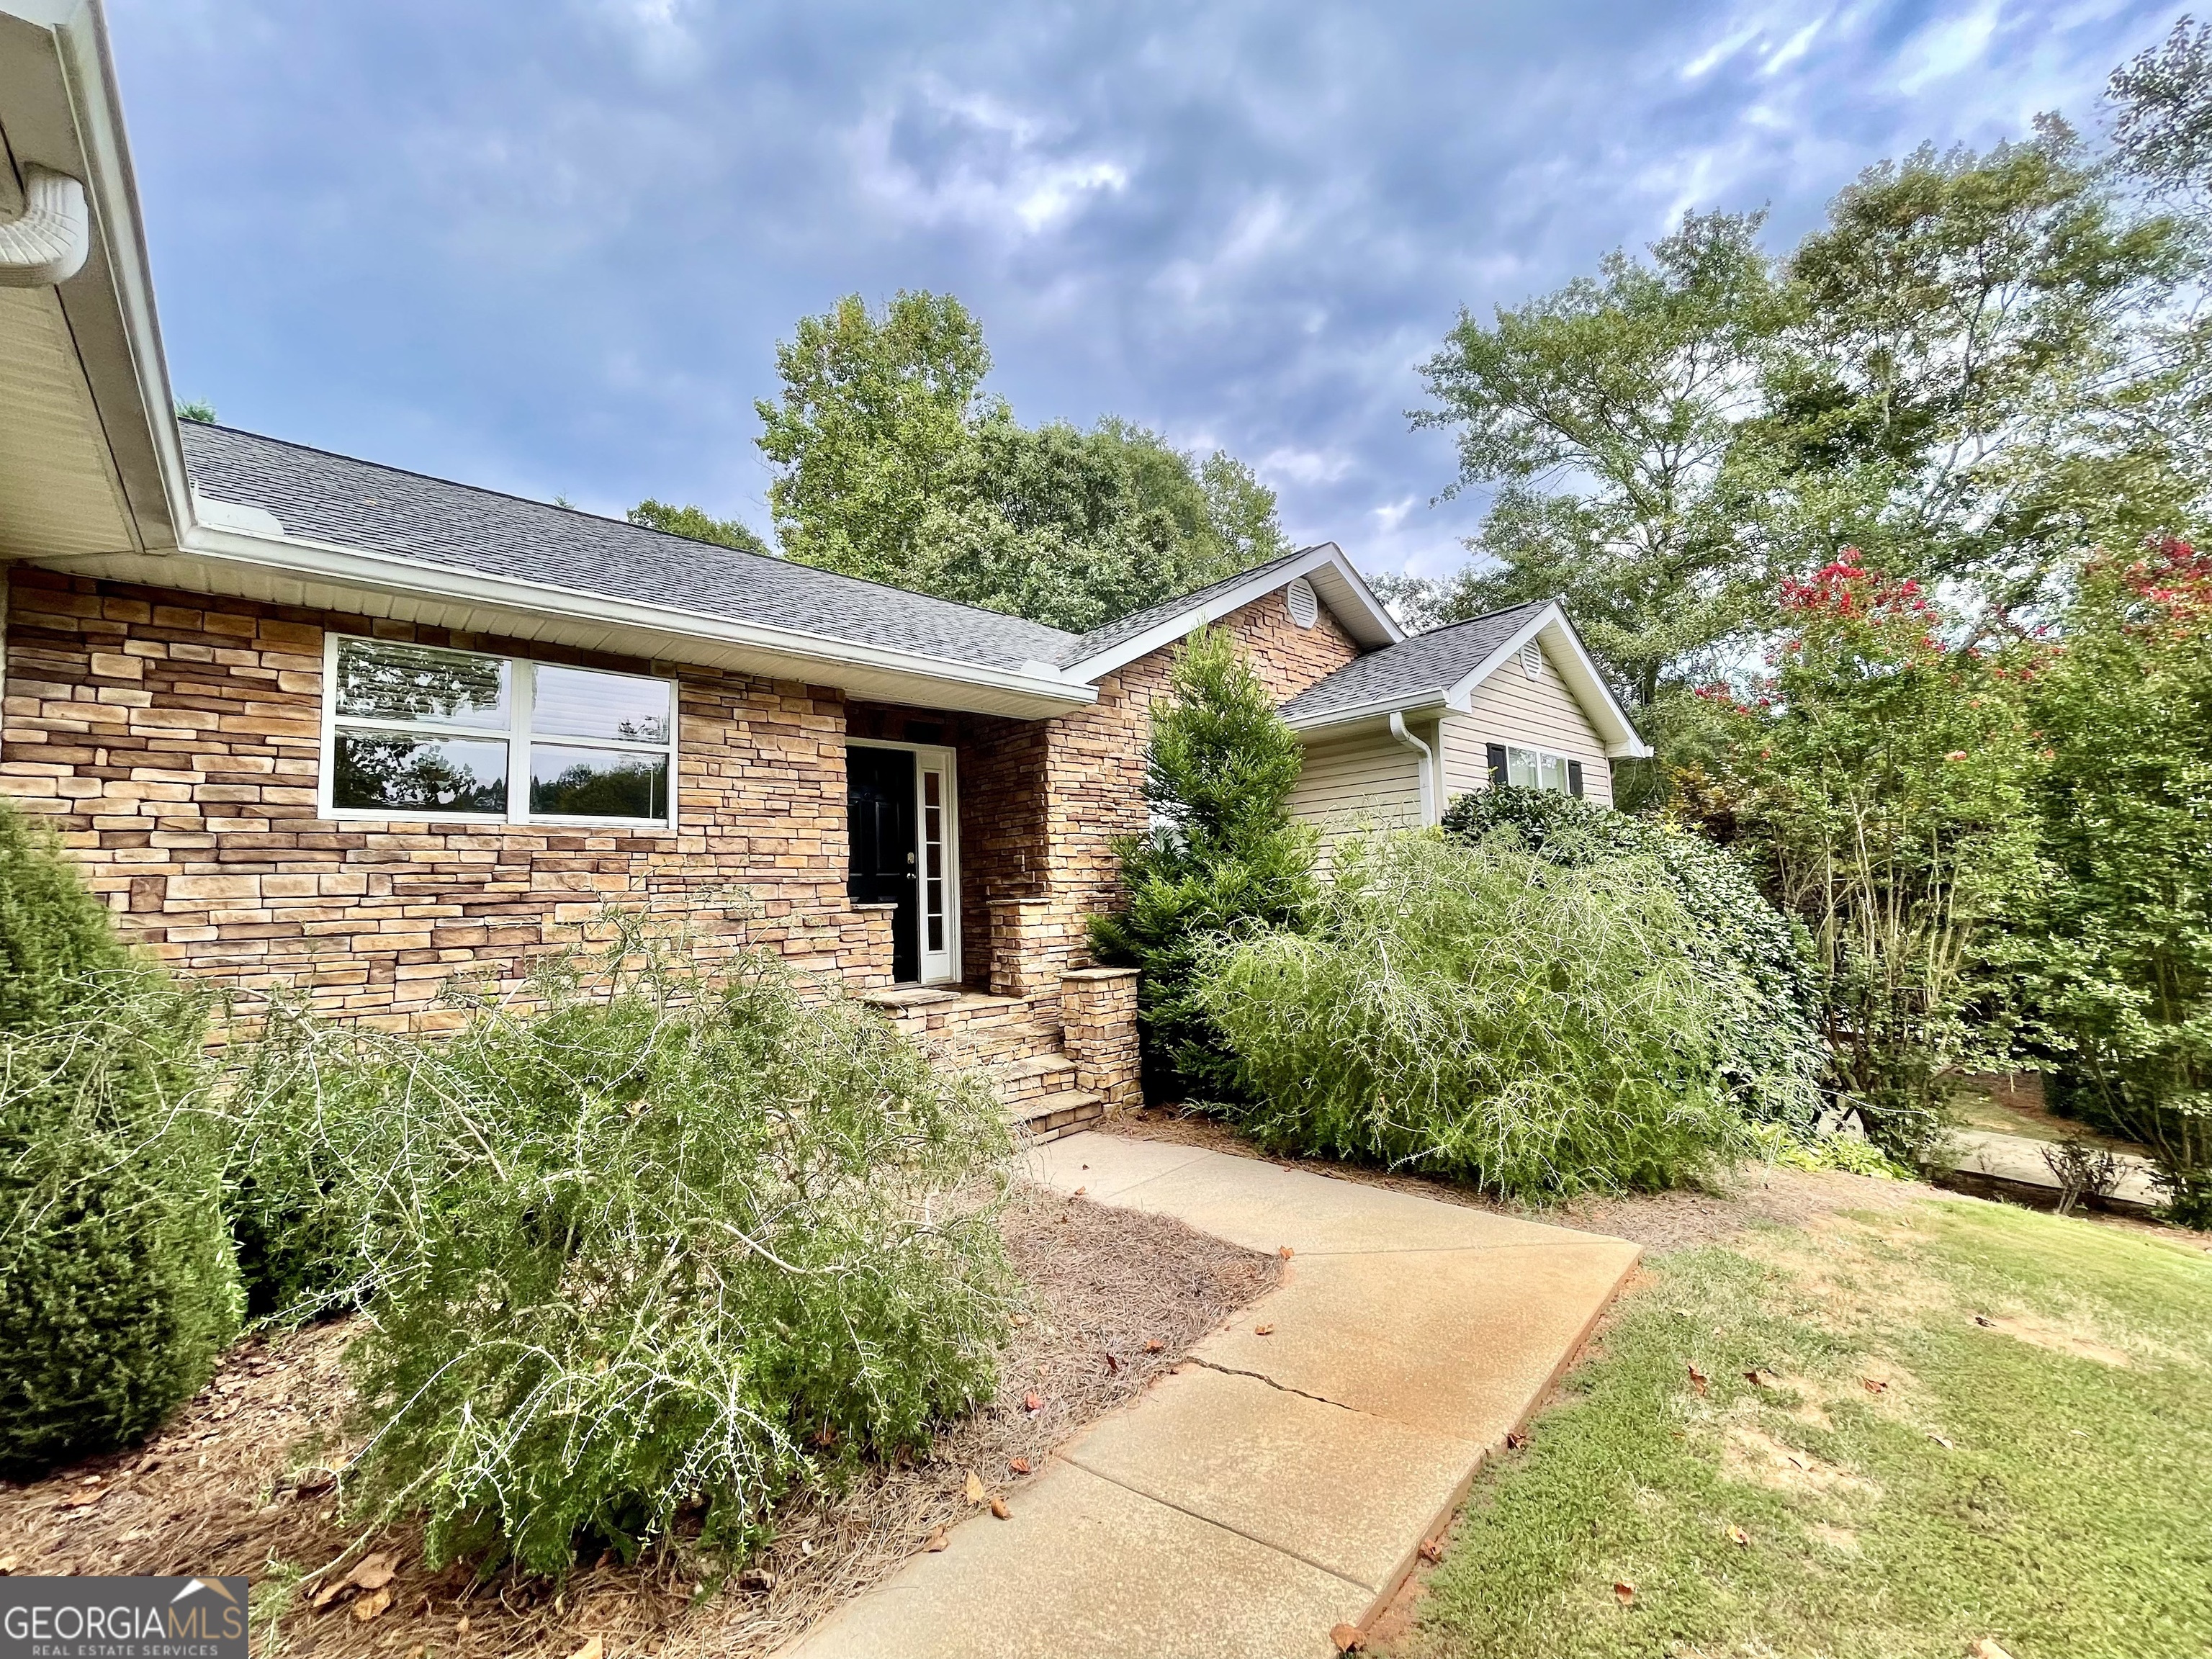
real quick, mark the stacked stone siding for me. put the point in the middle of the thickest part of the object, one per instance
(174, 741)
(1096, 765)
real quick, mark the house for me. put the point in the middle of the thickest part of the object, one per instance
(311, 720)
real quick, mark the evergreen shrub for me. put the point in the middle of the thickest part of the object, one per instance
(1483, 1013)
(633, 1241)
(1757, 962)
(1223, 860)
(117, 1286)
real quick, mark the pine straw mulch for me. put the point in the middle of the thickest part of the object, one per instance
(238, 1482)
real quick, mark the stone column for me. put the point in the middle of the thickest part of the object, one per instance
(878, 923)
(1098, 1026)
(1019, 927)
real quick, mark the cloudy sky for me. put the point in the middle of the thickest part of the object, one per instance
(550, 246)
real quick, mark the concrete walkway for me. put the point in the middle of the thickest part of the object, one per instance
(1271, 1487)
(2019, 1161)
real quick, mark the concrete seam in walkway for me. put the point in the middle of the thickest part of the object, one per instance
(1211, 1520)
(1260, 1376)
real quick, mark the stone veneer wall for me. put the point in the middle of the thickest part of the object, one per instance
(1096, 763)
(174, 741)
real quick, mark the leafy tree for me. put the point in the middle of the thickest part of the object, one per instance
(1878, 778)
(896, 467)
(117, 1286)
(1607, 413)
(2162, 101)
(2121, 967)
(1223, 861)
(695, 522)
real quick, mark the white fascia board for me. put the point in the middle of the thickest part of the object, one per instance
(1622, 740)
(1314, 726)
(302, 557)
(1167, 631)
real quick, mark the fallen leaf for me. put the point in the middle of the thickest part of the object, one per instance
(1624, 1594)
(1939, 1440)
(1348, 1639)
(938, 1541)
(999, 1508)
(8, 1564)
(1020, 1466)
(1698, 1379)
(1874, 1384)
(976, 1493)
(1762, 1379)
(757, 1579)
(594, 1648)
(1984, 1319)
(1284, 1252)
(1263, 1330)
(1515, 1440)
(1021, 1319)
(1079, 1191)
(462, 1629)
(825, 1436)
(1032, 1402)
(1113, 1365)
(1987, 1648)
(1153, 1345)
(1431, 1550)
(79, 1500)
(372, 1572)
(1738, 1535)
(368, 1606)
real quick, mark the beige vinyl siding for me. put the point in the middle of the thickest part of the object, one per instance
(1510, 707)
(1366, 783)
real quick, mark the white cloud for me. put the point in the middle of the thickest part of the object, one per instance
(1304, 467)
(1944, 49)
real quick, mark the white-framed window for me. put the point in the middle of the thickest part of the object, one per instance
(1536, 769)
(425, 731)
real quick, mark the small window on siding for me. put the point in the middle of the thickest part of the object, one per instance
(1304, 608)
(1532, 660)
(1536, 769)
(422, 732)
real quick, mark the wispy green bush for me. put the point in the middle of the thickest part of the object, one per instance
(117, 1286)
(1480, 1012)
(1757, 962)
(627, 1245)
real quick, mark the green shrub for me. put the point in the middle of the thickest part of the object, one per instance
(1757, 962)
(117, 1288)
(629, 1245)
(1224, 861)
(1480, 1012)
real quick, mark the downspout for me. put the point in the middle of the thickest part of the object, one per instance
(1425, 767)
(47, 242)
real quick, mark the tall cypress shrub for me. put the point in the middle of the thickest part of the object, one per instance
(117, 1284)
(1223, 860)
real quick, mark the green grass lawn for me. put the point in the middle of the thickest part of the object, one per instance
(2044, 1480)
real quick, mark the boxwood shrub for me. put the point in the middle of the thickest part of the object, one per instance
(117, 1285)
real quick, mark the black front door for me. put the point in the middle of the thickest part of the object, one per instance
(879, 809)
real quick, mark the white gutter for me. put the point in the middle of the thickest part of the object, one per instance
(47, 242)
(329, 562)
(1427, 764)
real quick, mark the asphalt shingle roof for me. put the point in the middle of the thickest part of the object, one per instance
(1128, 628)
(1430, 662)
(383, 510)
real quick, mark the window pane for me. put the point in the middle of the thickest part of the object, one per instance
(597, 783)
(381, 681)
(1521, 767)
(1554, 773)
(402, 773)
(573, 702)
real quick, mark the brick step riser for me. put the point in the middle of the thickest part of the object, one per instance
(997, 1051)
(1036, 1086)
(1068, 1122)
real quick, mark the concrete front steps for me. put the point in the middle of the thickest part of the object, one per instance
(1015, 1041)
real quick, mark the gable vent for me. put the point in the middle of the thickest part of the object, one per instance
(1304, 608)
(1532, 660)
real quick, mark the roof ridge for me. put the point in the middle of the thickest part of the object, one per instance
(1487, 616)
(630, 524)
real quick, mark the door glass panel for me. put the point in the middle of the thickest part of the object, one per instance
(380, 680)
(575, 702)
(932, 858)
(406, 772)
(597, 783)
